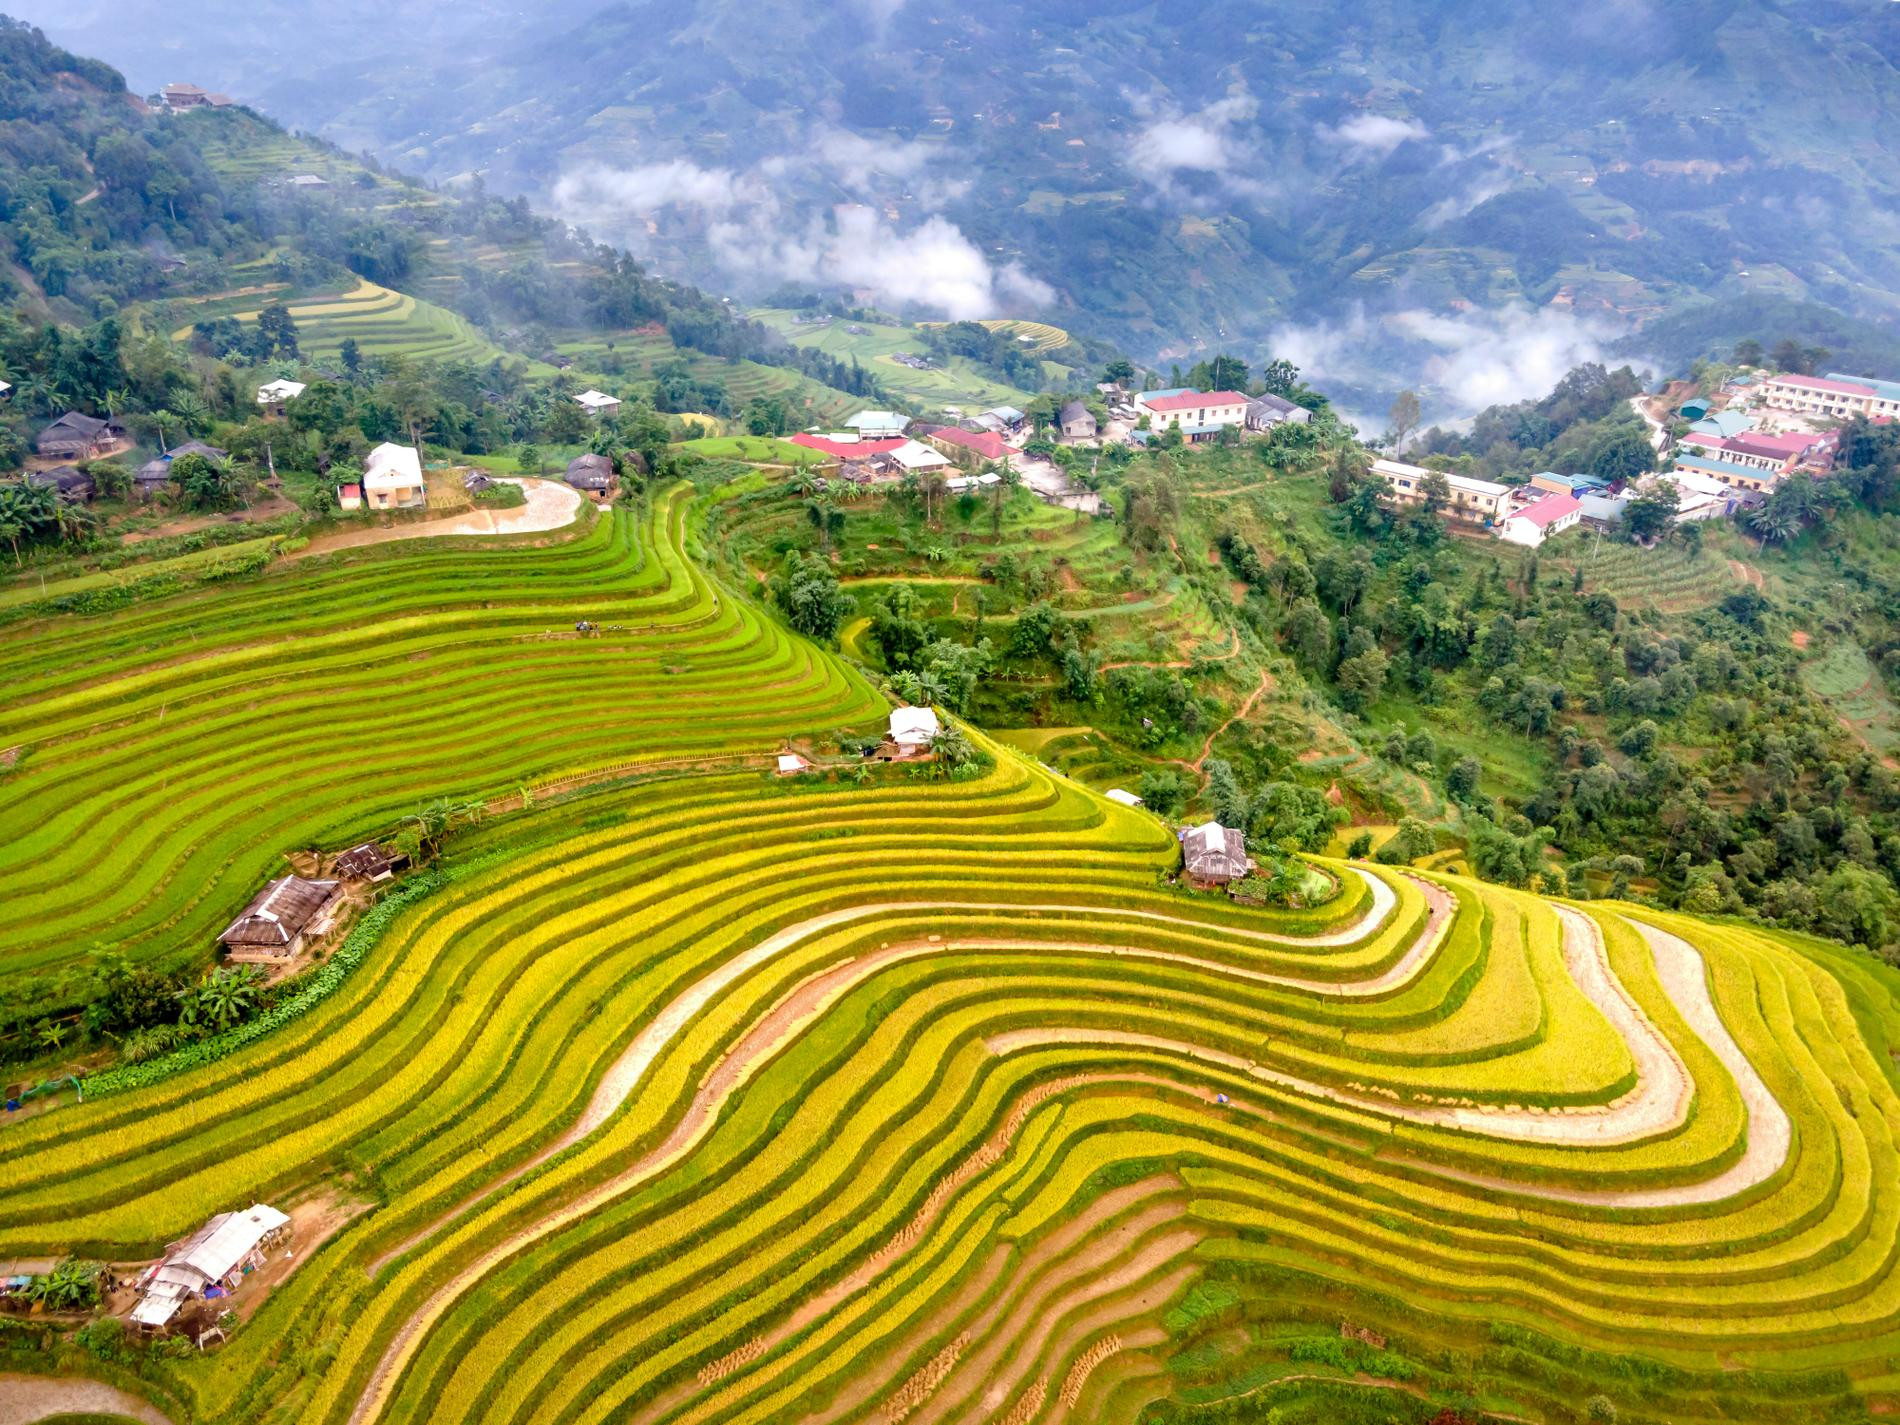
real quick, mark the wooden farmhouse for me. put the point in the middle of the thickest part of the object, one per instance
(275, 925)
(1213, 855)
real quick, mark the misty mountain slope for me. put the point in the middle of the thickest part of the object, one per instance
(1381, 189)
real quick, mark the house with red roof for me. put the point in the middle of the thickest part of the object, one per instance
(846, 447)
(968, 448)
(1540, 519)
(1772, 454)
(1200, 415)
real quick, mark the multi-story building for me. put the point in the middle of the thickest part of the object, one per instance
(1485, 501)
(1200, 415)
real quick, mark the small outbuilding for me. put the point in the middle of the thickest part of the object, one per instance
(209, 1264)
(273, 396)
(598, 403)
(1122, 796)
(349, 498)
(69, 482)
(1267, 410)
(790, 764)
(1214, 855)
(594, 474)
(1078, 422)
(276, 923)
(152, 478)
(371, 862)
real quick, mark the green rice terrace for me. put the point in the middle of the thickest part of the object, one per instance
(677, 1091)
(382, 322)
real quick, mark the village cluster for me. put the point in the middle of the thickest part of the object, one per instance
(1739, 446)
(874, 447)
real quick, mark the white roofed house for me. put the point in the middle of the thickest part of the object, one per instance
(273, 396)
(210, 1264)
(1213, 855)
(598, 403)
(392, 478)
(913, 456)
(279, 919)
(914, 731)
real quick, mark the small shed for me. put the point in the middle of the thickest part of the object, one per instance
(276, 922)
(152, 478)
(369, 862)
(212, 1262)
(598, 403)
(1123, 796)
(1693, 409)
(1077, 422)
(69, 482)
(790, 764)
(592, 473)
(1214, 855)
(349, 498)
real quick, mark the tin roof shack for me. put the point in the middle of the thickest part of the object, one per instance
(275, 925)
(594, 474)
(1213, 855)
(370, 862)
(209, 1264)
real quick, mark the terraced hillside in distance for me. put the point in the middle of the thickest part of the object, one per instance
(165, 757)
(956, 382)
(719, 1098)
(383, 322)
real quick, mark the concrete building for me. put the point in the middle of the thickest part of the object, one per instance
(392, 478)
(1484, 501)
(1541, 519)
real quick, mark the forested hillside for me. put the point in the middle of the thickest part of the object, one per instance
(1394, 194)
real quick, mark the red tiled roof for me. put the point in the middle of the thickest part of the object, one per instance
(1193, 401)
(845, 449)
(1821, 383)
(1548, 510)
(985, 444)
(1773, 447)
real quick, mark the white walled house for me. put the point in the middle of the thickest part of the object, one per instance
(392, 478)
(1482, 500)
(1540, 519)
(1199, 415)
(598, 403)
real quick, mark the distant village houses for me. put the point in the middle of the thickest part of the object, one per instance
(180, 97)
(1077, 422)
(969, 448)
(1266, 411)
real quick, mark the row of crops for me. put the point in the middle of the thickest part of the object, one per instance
(167, 755)
(719, 1098)
(710, 1096)
(381, 321)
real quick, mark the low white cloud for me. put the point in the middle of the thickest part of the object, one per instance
(596, 188)
(1472, 195)
(759, 237)
(1375, 134)
(933, 265)
(1460, 362)
(1480, 359)
(1204, 143)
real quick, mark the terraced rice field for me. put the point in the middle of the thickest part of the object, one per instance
(873, 344)
(382, 321)
(169, 754)
(719, 1097)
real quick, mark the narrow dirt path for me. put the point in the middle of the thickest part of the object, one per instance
(552, 505)
(1746, 573)
(1240, 713)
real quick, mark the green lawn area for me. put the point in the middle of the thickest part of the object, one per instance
(873, 345)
